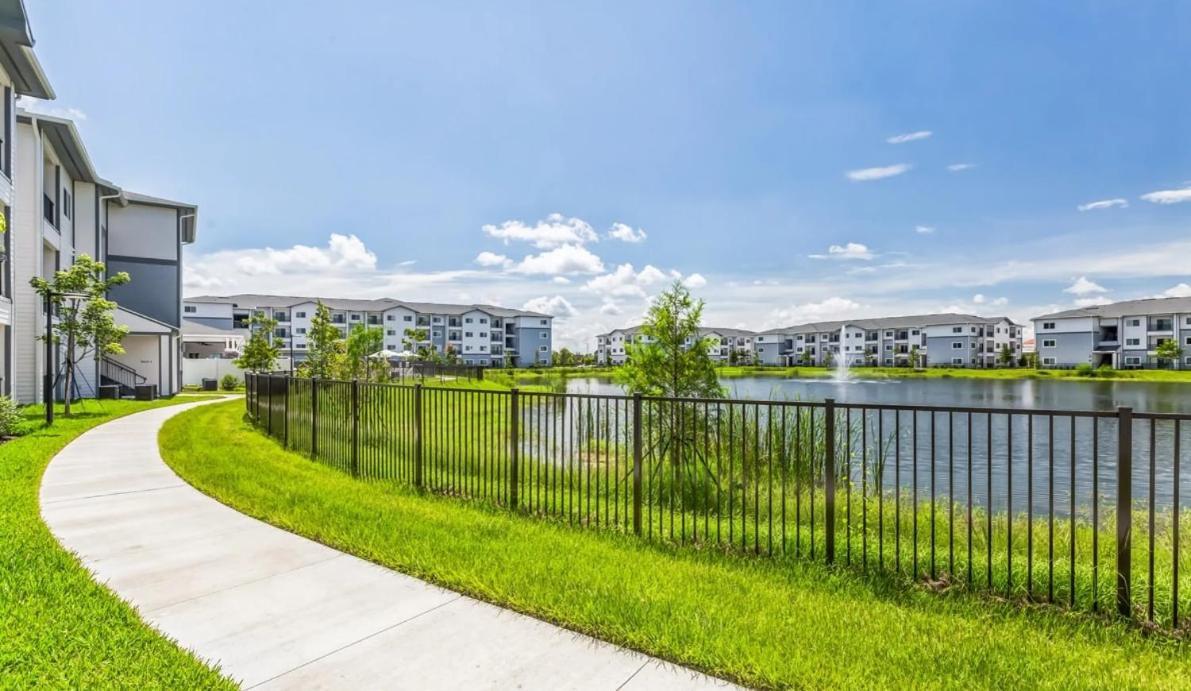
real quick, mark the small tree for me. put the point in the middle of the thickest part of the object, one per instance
(415, 340)
(673, 360)
(1005, 357)
(1168, 351)
(326, 351)
(363, 343)
(86, 325)
(915, 357)
(260, 352)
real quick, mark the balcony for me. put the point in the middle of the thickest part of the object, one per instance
(48, 211)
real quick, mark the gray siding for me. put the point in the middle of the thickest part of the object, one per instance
(153, 290)
(529, 341)
(1070, 349)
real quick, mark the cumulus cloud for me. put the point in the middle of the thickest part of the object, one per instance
(978, 299)
(610, 308)
(825, 310)
(960, 167)
(1103, 204)
(1090, 301)
(1182, 290)
(694, 281)
(878, 173)
(627, 281)
(909, 137)
(849, 251)
(561, 280)
(556, 305)
(924, 230)
(36, 105)
(981, 299)
(555, 231)
(566, 259)
(1082, 286)
(1175, 196)
(625, 233)
(492, 259)
(342, 252)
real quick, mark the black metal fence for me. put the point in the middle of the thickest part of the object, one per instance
(1079, 508)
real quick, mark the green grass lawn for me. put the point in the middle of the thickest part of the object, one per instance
(767, 622)
(58, 628)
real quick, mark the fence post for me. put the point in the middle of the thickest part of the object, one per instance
(269, 409)
(637, 463)
(285, 413)
(1124, 510)
(313, 418)
(514, 443)
(829, 481)
(418, 473)
(355, 428)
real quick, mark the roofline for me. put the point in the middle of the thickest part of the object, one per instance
(16, 53)
(74, 150)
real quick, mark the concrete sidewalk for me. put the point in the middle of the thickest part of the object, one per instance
(276, 610)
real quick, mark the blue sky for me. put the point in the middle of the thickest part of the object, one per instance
(790, 161)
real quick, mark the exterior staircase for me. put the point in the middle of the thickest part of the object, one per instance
(119, 374)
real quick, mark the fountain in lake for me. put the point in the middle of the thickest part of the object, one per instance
(841, 362)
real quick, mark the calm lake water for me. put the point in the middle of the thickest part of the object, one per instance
(1028, 458)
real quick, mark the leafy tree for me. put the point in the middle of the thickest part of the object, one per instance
(326, 350)
(565, 358)
(1005, 357)
(915, 357)
(260, 352)
(362, 345)
(1168, 351)
(86, 325)
(673, 360)
(414, 340)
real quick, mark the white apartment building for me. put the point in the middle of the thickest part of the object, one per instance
(481, 335)
(1121, 335)
(958, 340)
(724, 345)
(58, 208)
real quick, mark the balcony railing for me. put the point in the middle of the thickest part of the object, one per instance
(47, 211)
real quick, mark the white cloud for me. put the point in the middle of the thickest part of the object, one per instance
(342, 252)
(1000, 302)
(1103, 204)
(1088, 302)
(960, 167)
(557, 306)
(626, 281)
(492, 259)
(852, 250)
(1182, 290)
(978, 299)
(36, 105)
(829, 309)
(408, 262)
(909, 137)
(924, 230)
(866, 174)
(567, 259)
(1183, 194)
(982, 299)
(555, 231)
(1083, 286)
(694, 281)
(625, 233)
(561, 280)
(610, 308)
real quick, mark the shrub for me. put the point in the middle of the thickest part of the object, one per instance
(1106, 371)
(9, 417)
(229, 382)
(1084, 369)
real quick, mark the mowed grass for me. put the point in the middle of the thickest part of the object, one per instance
(764, 622)
(58, 628)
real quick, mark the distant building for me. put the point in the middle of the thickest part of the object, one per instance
(1119, 335)
(482, 335)
(726, 345)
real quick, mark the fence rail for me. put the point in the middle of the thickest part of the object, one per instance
(1080, 508)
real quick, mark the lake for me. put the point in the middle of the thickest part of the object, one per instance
(1017, 454)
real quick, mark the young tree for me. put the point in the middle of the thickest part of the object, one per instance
(414, 340)
(85, 324)
(915, 357)
(362, 345)
(673, 360)
(1005, 357)
(260, 352)
(1168, 351)
(326, 349)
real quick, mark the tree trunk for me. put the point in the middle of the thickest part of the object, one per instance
(69, 373)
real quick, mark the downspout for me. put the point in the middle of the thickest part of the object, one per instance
(101, 256)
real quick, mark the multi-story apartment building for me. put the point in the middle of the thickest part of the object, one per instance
(961, 340)
(57, 207)
(1120, 334)
(483, 335)
(725, 345)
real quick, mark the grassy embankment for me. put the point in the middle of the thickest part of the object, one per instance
(58, 628)
(770, 622)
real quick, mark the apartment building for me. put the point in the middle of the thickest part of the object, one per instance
(57, 207)
(482, 335)
(959, 340)
(725, 345)
(1122, 335)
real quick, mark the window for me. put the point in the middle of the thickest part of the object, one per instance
(483, 320)
(467, 320)
(888, 334)
(544, 335)
(189, 309)
(391, 332)
(388, 317)
(1133, 360)
(1048, 325)
(299, 315)
(957, 329)
(468, 334)
(390, 346)
(957, 361)
(914, 332)
(1188, 340)
(355, 317)
(956, 345)
(300, 346)
(301, 330)
(407, 318)
(437, 320)
(1134, 322)
(543, 321)
(1132, 341)
(67, 204)
(1048, 343)
(542, 349)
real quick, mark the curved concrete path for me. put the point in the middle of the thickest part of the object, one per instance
(273, 609)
